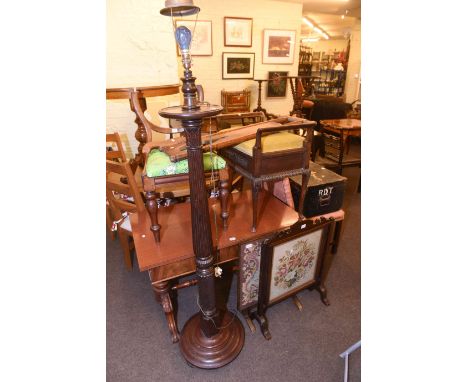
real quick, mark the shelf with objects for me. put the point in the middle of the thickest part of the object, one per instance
(326, 71)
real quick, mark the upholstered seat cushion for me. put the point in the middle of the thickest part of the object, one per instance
(159, 164)
(273, 142)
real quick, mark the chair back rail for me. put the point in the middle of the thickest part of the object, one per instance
(114, 187)
(120, 153)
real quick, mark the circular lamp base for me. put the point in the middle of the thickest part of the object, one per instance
(214, 352)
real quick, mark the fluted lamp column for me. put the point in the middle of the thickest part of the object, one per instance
(210, 339)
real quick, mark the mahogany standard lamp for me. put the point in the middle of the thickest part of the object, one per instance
(210, 339)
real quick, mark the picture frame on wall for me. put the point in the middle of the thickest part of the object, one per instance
(238, 65)
(278, 46)
(238, 31)
(202, 44)
(277, 84)
(293, 260)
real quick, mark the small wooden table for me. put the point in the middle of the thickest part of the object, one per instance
(350, 127)
(173, 256)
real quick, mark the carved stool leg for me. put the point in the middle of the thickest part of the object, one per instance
(305, 182)
(224, 195)
(152, 207)
(255, 190)
(161, 292)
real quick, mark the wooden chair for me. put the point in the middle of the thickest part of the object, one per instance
(273, 157)
(123, 199)
(153, 182)
(332, 153)
(115, 155)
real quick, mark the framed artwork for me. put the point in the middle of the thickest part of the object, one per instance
(277, 84)
(249, 274)
(278, 46)
(315, 56)
(238, 31)
(201, 43)
(238, 65)
(293, 260)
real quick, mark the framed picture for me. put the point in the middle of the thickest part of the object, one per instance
(201, 42)
(277, 84)
(238, 31)
(293, 260)
(238, 65)
(278, 46)
(315, 56)
(249, 274)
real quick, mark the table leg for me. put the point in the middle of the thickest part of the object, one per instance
(162, 295)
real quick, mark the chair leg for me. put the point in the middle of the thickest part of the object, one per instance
(124, 236)
(224, 196)
(109, 222)
(152, 207)
(255, 189)
(305, 183)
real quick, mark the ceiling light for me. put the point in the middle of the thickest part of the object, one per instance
(308, 22)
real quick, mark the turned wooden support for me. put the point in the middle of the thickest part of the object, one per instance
(259, 101)
(224, 190)
(185, 284)
(140, 136)
(256, 185)
(152, 207)
(162, 295)
(201, 230)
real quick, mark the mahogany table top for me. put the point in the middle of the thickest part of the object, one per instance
(176, 228)
(342, 123)
(145, 91)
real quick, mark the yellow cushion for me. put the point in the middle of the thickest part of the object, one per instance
(273, 142)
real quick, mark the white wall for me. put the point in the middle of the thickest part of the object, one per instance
(140, 52)
(266, 15)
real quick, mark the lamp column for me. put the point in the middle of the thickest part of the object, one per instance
(210, 339)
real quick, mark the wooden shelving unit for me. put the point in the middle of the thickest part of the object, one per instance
(320, 66)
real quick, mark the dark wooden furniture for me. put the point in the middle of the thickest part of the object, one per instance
(263, 167)
(117, 194)
(143, 92)
(346, 126)
(288, 274)
(333, 138)
(235, 101)
(259, 107)
(173, 257)
(151, 185)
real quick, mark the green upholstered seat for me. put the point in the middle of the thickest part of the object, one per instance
(159, 164)
(273, 142)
